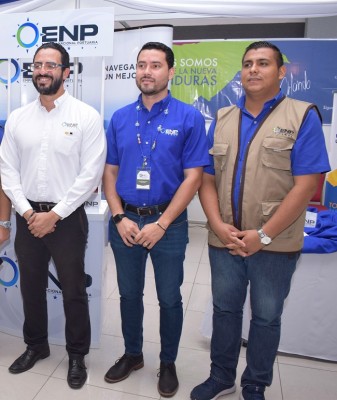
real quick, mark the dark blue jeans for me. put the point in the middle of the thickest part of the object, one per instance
(269, 275)
(167, 258)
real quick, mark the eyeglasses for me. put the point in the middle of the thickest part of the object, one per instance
(48, 66)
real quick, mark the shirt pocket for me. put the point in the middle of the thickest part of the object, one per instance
(220, 153)
(67, 143)
(276, 153)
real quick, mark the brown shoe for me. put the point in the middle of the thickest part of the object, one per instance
(168, 382)
(123, 368)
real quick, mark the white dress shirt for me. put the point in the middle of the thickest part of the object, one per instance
(56, 156)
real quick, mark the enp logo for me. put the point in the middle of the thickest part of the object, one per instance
(10, 272)
(3, 71)
(27, 31)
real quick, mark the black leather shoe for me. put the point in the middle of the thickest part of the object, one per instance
(123, 368)
(27, 360)
(77, 373)
(168, 382)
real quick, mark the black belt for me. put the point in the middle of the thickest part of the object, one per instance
(44, 206)
(151, 210)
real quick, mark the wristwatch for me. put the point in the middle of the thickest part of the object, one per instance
(265, 239)
(5, 224)
(118, 217)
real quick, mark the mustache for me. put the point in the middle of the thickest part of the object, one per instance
(44, 76)
(147, 78)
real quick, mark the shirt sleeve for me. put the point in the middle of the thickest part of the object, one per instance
(1, 133)
(309, 154)
(10, 168)
(210, 141)
(195, 149)
(112, 155)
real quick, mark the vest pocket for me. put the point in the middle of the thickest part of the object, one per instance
(276, 153)
(219, 151)
(268, 209)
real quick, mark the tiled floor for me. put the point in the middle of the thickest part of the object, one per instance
(294, 378)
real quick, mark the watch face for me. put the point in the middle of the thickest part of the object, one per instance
(118, 217)
(263, 237)
(266, 240)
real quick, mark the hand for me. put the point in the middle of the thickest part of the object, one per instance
(41, 224)
(225, 233)
(127, 230)
(149, 235)
(251, 240)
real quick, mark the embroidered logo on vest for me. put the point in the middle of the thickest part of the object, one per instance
(283, 132)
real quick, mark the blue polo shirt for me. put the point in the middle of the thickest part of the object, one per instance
(170, 138)
(1, 133)
(308, 156)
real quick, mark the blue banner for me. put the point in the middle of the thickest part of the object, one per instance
(208, 73)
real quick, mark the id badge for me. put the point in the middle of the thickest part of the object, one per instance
(143, 178)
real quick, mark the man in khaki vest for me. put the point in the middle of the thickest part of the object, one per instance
(266, 155)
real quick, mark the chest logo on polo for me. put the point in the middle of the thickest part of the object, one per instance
(69, 125)
(284, 132)
(170, 132)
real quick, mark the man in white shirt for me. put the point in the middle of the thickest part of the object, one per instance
(52, 159)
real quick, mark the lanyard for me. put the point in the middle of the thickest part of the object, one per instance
(160, 129)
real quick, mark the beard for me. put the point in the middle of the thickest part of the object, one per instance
(56, 83)
(150, 90)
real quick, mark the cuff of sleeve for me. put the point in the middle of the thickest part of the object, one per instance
(23, 207)
(62, 210)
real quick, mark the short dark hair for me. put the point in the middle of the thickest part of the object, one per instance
(162, 47)
(56, 46)
(263, 44)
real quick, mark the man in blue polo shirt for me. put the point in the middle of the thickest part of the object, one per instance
(156, 152)
(266, 156)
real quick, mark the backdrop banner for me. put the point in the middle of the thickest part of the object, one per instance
(11, 310)
(333, 136)
(120, 83)
(330, 197)
(208, 73)
(83, 32)
(118, 74)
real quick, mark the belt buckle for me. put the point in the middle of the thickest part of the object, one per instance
(142, 210)
(43, 207)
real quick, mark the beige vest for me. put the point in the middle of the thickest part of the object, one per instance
(266, 176)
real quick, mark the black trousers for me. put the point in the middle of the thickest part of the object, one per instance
(66, 246)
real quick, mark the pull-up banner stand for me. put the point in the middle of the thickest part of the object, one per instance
(88, 34)
(330, 199)
(84, 32)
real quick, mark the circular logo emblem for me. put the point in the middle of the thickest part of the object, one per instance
(8, 262)
(27, 27)
(17, 71)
